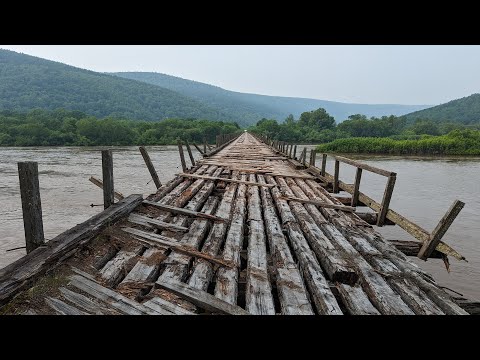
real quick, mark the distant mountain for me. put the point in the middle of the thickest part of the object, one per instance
(249, 108)
(28, 82)
(465, 110)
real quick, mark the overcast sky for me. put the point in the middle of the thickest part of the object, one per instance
(362, 74)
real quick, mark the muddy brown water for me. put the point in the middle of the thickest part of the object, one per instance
(424, 190)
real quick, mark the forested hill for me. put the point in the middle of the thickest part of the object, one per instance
(249, 108)
(28, 82)
(465, 110)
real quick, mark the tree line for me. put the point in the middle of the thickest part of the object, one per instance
(74, 128)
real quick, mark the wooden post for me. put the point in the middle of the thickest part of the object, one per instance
(192, 160)
(295, 152)
(31, 204)
(387, 196)
(198, 148)
(335, 177)
(151, 168)
(107, 171)
(313, 155)
(290, 152)
(182, 156)
(356, 188)
(204, 145)
(324, 163)
(440, 230)
(303, 157)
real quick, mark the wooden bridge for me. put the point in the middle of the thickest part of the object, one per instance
(246, 230)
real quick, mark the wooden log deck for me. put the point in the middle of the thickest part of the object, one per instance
(233, 238)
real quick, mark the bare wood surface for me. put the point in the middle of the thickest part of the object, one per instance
(193, 176)
(151, 168)
(31, 205)
(319, 203)
(182, 211)
(99, 183)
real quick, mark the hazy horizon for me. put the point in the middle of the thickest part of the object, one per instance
(380, 74)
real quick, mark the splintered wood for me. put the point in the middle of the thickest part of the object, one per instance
(245, 231)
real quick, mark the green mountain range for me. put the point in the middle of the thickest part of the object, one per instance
(28, 82)
(465, 110)
(249, 108)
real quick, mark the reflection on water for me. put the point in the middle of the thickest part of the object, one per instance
(425, 188)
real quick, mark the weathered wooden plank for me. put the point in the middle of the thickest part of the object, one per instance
(355, 300)
(93, 307)
(193, 176)
(387, 196)
(203, 271)
(154, 223)
(150, 167)
(319, 203)
(113, 299)
(31, 205)
(158, 304)
(175, 246)
(333, 262)
(22, 272)
(364, 166)
(226, 287)
(117, 268)
(178, 264)
(259, 299)
(107, 172)
(290, 287)
(202, 299)
(104, 257)
(146, 268)
(182, 211)
(430, 245)
(99, 183)
(62, 308)
(412, 247)
(323, 297)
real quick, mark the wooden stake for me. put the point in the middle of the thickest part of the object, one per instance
(31, 205)
(387, 196)
(335, 177)
(199, 150)
(204, 145)
(99, 183)
(190, 153)
(151, 168)
(182, 156)
(356, 188)
(440, 230)
(107, 171)
(295, 152)
(324, 163)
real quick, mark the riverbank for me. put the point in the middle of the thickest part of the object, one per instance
(459, 142)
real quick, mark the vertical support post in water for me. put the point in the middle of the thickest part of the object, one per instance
(31, 205)
(204, 145)
(440, 230)
(290, 152)
(182, 156)
(295, 152)
(356, 187)
(303, 157)
(324, 163)
(313, 154)
(192, 160)
(151, 168)
(107, 171)
(387, 196)
(335, 177)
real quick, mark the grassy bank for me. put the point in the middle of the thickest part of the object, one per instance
(457, 142)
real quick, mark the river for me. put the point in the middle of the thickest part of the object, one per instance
(424, 190)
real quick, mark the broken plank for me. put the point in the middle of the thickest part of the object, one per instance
(355, 300)
(157, 302)
(86, 303)
(202, 299)
(158, 224)
(117, 268)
